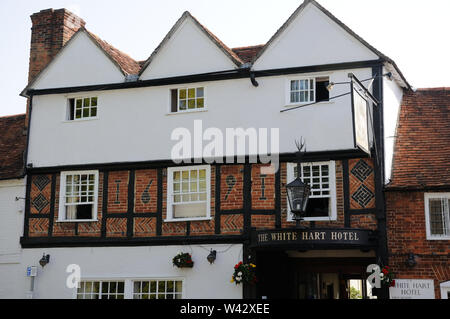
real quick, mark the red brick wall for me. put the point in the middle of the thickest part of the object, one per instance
(263, 205)
(406, 230)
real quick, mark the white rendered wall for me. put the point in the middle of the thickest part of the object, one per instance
(120, 263)
(392, 97)
(11, 229)
(80, 63)
(135, 124)
(312, 38)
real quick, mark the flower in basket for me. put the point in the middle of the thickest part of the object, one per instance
(183, 260)
(387, 276)
(244, 273)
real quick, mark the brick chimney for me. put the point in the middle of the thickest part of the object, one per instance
(50, 30)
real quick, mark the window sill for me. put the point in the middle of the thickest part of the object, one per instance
(308, 103)
(193, 219)
(187, 112)
(77, 221)
(316, 219)
(439, 238)
(81, 120)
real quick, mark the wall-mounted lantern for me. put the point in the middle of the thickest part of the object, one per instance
(44, 260)
(212, 256)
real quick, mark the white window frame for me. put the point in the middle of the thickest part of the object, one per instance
(332, 188)
(170, 170)
(288, 90)
(427, 197)
(80, 97)
(129, 283)
(204, 108)
(62, 197)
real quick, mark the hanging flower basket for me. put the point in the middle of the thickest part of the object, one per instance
(387, 277)
(244, 273)
(183, 260)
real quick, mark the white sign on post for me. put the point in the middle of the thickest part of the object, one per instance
(412, 289)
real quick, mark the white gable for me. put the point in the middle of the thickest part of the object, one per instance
(81, 62)
(312, 38)
(188, 51)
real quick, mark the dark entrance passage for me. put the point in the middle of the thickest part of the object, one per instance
(319, 274)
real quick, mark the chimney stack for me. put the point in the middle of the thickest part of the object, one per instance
(50, 31)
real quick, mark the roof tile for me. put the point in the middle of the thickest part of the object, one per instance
(422, 148)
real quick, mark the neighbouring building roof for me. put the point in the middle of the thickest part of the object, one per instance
(12, 146)
(422, 148)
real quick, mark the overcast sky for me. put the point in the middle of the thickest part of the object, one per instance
(414, 33)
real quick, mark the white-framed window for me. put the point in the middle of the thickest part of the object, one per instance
(188, 193)
(81, 108)
(130, 288)
(187, 99)
(321, 176)
(437, 215)
(158, 289)
(78, 196)
(99, 289)
(307, 90)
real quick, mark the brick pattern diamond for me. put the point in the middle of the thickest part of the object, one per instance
(363, 195)
(40, 202)
(362, 170)
(41, 181)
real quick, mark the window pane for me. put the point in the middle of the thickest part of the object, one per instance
(191, 93)
(79, 103)
(94, 112)
(94, 101)
(199, 92)
(182, 104)
(182, 93)
(191, 104)
(200, 103)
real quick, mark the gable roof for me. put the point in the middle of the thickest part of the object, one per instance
(125, 64)
(12, 146)
(398, 76)
(186, 15)
(422, 147)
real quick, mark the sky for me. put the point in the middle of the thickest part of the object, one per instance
(414, 33)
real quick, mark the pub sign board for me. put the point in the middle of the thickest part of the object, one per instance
(313, 237)
(412, 289)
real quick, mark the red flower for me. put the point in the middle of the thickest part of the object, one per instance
(392, 283)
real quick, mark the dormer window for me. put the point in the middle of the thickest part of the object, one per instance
(308, 90)
(81, 108)
(187, 99)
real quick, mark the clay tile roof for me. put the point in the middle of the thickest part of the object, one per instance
(422, 148)
(12, 146)
(127, 64)
(247, 54)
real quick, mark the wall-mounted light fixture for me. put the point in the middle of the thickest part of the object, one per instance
(212, 256)
(411, 260)
(44, 260)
